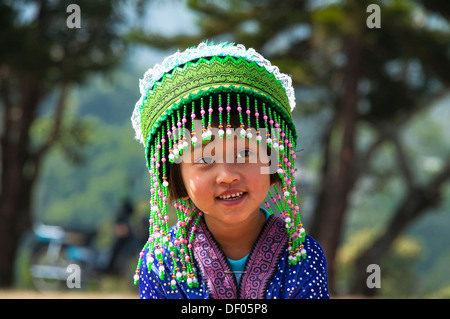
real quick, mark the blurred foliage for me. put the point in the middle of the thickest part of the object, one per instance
(405, 71)
(398, 277)
(397, 74)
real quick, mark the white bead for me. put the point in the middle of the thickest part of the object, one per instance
(173, 282)
(136, 277)
(165, 184)
(249, 135)
(161, 268)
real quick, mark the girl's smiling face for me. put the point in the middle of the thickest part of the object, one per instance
(223, 178)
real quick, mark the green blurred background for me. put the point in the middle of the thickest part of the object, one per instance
(373, 107)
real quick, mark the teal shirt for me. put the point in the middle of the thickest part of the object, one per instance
(238, 265)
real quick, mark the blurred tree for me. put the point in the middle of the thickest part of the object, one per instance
(382, 77)
(41, 58)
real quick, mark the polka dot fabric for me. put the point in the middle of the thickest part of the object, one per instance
(270, 276)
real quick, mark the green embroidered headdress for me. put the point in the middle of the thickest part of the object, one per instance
(201, 82)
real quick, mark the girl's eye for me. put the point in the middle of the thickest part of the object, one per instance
(244, 153)
(205, 160)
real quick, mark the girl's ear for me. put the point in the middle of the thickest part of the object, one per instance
(185, 197)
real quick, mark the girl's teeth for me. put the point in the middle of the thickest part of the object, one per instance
(231, 196)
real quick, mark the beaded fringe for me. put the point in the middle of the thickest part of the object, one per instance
(173, 139)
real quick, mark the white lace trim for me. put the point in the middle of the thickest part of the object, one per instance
(204, 50)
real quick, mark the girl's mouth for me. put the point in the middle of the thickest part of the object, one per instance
(231, 197)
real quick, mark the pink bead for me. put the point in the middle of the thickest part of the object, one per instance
(257, 114)
(228, 108)
(248, 112)
(239, 109)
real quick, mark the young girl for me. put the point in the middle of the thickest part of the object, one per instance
(216, 124)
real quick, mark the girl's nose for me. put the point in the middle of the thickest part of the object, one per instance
(227, 173)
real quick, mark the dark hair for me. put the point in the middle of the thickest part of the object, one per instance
(177, 188)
